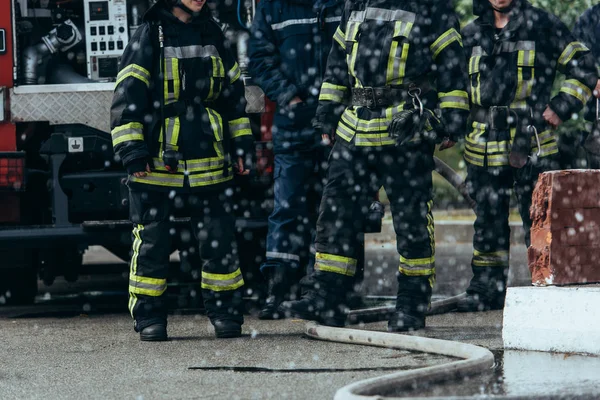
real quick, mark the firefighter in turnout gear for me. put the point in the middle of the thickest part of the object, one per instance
(289, 45)
(388, 57)
(587, 30)
(514, 51)
(178, 126)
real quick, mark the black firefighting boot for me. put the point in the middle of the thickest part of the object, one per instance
(278, 289)
(227, 328)
(486, 291)
(225, 311)
(154, 330)
(323, 301)
(412, 303)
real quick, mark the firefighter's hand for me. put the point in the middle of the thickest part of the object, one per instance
(295, 100)
(446, 144)
(142, 174)
(551, 118)
(240, 169)
(327, 139)
(597, 89)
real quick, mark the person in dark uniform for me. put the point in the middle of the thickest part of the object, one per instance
(388, 57)
(178, 126)
(289, 45)
(514, 52)
(587, 30)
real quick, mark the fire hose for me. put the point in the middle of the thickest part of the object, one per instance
(473, 359)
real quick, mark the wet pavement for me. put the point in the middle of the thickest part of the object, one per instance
(78, 342)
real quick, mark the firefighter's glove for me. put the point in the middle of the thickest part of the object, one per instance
(411, 129)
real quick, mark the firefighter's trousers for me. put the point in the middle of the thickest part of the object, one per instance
(491, 188)
(213, 235)
(354, 176)
(297, 190)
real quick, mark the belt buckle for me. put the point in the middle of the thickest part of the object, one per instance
(499, 117)
(370, 99)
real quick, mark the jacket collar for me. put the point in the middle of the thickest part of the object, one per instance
(161, 11)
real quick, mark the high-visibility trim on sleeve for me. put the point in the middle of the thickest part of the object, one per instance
(134, 71)
(234, 73)
(455, 99)
(335, 264)
(127, 132)
(333, 92)
(445, 40)
(576, 89)
(240, 127)
(340, 37)
(147, 286)
(222, 282)
(570, 51)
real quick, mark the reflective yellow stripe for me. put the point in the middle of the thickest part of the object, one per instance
(576, 89)
(352, 31)
(570, 51)
(222, 282)
(339, 37)
(335, 264)
(234, 73)
(417, 261)
(417, 266)
(132, 302)
(373, 139)
(240, 127)
(396, 68)
(210, 178)
(473, 158)
(490, 259)
(445, 40)
(524, 88)
(124, 133)
(549, 149)
(159, 179)
(176, 79)
(137, 243)
(332, 92)
(147, 286)
(216, 123)
(344, 132)
(456, 99)
(218, 146)
(134, 71)
(498, 146)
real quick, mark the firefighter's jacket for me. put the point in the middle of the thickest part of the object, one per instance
(288, 49)
(587, 30)
(515, 67)
(392, 43)
(204, 104)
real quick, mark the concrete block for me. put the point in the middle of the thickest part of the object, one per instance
(565, 235)
(554, 319)
(533, 374)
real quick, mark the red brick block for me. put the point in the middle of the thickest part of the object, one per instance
(565, 235)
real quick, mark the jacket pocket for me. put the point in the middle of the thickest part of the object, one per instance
(217, 127)
(525, 73)
(217, 76)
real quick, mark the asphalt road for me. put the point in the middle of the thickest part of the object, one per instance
(78, 342)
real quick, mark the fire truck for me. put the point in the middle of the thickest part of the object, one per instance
(61, 190)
